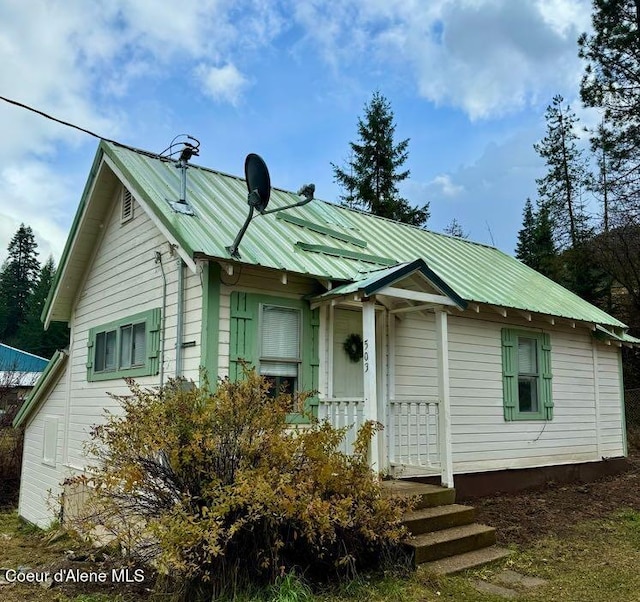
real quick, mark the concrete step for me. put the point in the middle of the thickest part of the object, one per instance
(449, 542)
(437, 518)
(468, 560)
(429, 495)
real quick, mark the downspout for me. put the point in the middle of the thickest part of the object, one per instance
(179, 318)
(164, 311)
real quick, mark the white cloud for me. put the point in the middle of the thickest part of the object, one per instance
(35, 195)
(446, 185)
(223, 84)
(487, 57)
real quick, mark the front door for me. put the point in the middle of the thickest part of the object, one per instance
(348, 381)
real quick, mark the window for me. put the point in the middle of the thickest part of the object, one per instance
(279, 337)
(526, 375)
(50, 440)
(280, 329)
(127, 347)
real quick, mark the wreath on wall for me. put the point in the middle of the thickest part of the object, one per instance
(353, 347)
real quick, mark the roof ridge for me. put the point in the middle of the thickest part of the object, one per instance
(332, 204)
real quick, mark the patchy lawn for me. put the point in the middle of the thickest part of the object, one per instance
(584, 540)
(25, 547)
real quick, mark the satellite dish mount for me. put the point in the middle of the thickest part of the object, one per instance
(259, 191)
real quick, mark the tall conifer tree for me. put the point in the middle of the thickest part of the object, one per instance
(611, 82)
(18, 279)
(371, 176)
(567, 177)
(31, 335)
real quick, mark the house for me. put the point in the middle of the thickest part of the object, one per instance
(474, 363)
(19, 371)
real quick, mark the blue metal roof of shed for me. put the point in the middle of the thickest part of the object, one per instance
(16, 360)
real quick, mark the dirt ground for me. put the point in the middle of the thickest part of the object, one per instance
(524, 517)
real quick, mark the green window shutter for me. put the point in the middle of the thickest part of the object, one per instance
(311, 355)
(545, 369)
(243, 338)
(509, 373)
(90, 347)
(153, 340)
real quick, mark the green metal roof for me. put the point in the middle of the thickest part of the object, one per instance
(373, 282)
(329, 241)
(42, 385)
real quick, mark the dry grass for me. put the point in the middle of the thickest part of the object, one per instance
(593, 561)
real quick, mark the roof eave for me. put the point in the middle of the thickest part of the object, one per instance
(33, 399)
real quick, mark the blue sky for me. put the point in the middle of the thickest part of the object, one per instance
(468, 81)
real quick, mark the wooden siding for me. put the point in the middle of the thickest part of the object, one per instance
(254, 280)
(36, 504)
(124, 278)
(481, 439)
(610, 384)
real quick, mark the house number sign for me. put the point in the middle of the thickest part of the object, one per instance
(366, 355)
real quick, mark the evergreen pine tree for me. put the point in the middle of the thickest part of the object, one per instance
(17, 281)
(545, 255)
(524, 248)
(31, 335)
(611, 82)
(455, 229)
(371, 176)
(535, 246)
(567, 177)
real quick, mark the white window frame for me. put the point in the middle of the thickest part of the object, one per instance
(298, 361)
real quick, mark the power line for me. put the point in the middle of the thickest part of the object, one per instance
(76, 127)
(52, 118)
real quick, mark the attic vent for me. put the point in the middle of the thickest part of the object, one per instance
(127, 206)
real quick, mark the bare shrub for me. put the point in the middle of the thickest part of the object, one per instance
(216, 491)
(11, 442)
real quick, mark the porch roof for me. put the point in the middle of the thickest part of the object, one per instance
(376, 281)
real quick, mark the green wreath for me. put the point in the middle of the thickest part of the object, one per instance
(353, 347)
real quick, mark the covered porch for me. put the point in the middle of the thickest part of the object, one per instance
(357, 385)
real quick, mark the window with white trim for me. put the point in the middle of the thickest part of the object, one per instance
(280, 353)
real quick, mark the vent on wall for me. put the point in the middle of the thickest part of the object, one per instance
(127, 206)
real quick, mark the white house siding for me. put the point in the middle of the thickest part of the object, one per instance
(124, 278)
(610, 387)
(416, 361)
(40, 482)
(253, 280)
(481, 438)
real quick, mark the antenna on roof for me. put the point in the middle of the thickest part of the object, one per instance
(187, 151)
(259, 191)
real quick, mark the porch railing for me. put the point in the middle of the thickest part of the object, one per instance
(413, 432)
(343, 412)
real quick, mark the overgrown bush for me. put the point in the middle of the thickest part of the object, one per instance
(217, 491)
(11, 442)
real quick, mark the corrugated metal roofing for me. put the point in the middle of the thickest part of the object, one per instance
(16, 360)
(476, 272)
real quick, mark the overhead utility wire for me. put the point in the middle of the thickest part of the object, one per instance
(75, 127)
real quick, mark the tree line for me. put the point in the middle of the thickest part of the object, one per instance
(584, 229)
(24, 287)
(594, 253)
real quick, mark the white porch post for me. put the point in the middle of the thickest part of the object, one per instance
(369, 368)
(444, 413)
